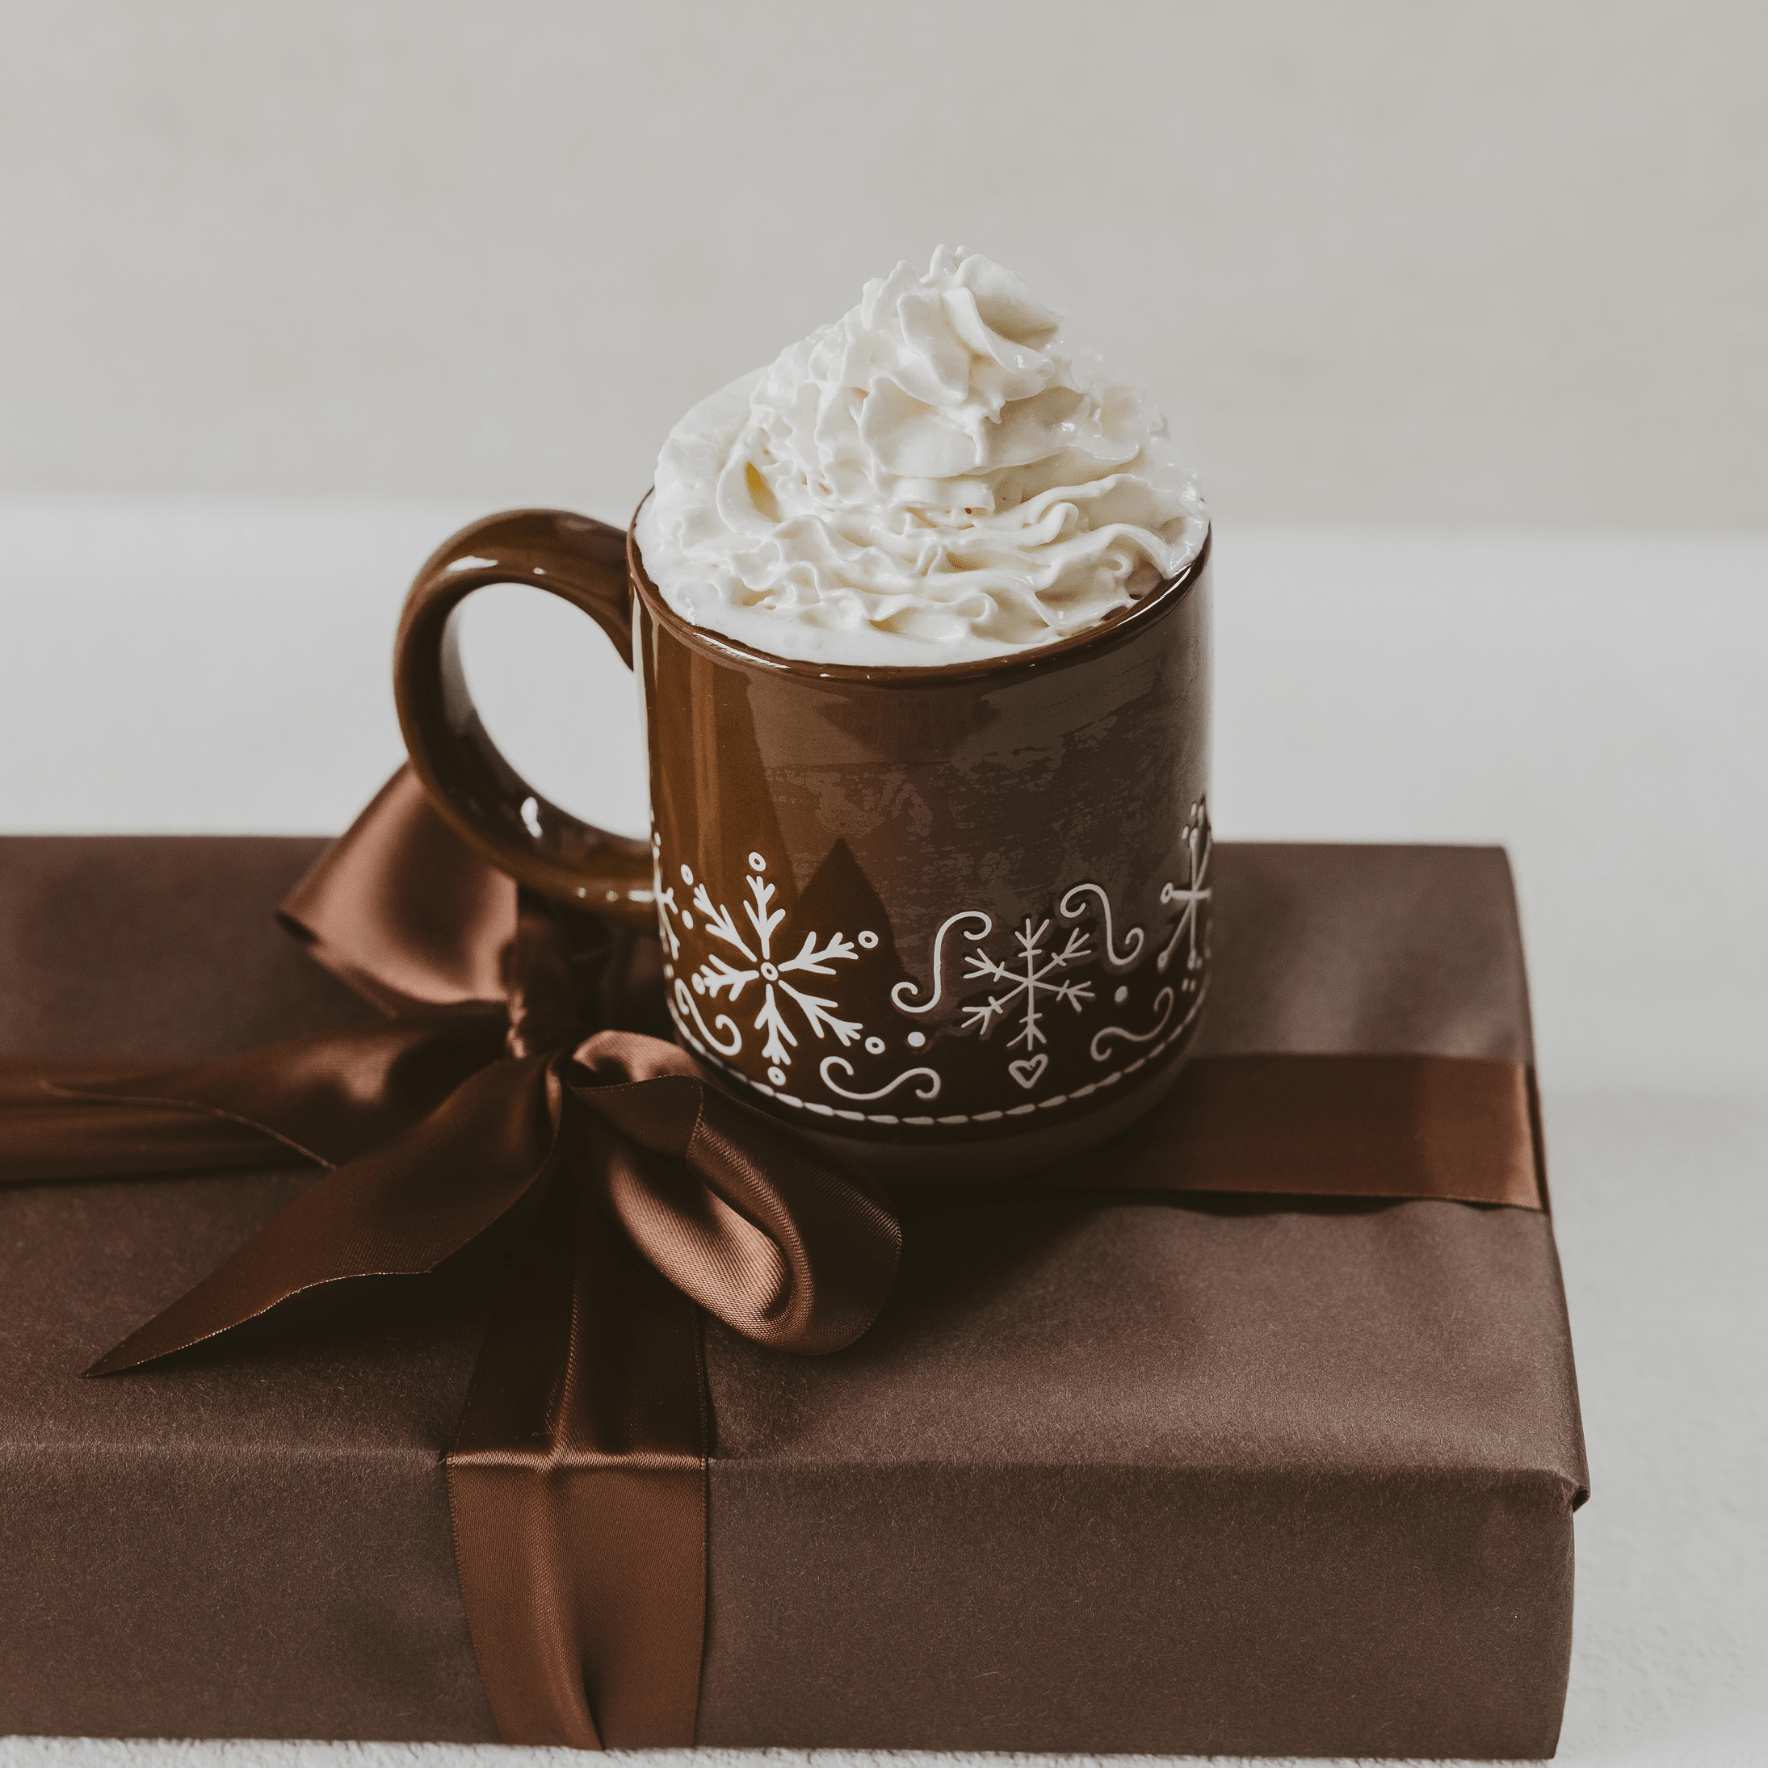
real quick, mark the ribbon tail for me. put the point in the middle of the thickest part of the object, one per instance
(577, 1484)
(399, 1211)
(331, 1095)
(325, 1097)
(52, 1129)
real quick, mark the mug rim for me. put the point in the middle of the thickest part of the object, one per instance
(1107, 635)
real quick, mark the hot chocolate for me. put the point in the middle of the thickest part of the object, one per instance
(920, 617)
(931, 479)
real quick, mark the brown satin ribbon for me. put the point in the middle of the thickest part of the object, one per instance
(518, 1078)
(1457, 1128)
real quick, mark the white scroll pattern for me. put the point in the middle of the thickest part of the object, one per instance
(1073, 906)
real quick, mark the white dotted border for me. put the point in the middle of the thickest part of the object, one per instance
(1025, 1110)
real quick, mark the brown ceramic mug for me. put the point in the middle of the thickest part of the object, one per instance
(953, 919)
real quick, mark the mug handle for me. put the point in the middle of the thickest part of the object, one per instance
(476, 791)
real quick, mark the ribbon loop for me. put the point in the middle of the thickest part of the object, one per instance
(787, 1244)
(403, 912)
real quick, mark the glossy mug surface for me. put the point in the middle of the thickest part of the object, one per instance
(953, 919)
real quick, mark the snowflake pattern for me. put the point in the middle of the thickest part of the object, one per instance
(751, 956)
(1036, 966)
(719, 978)
(1193, 893)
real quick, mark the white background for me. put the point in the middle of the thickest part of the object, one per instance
(1380, 261)
(1465, 311)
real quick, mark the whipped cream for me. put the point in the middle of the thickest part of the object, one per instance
(931, 479)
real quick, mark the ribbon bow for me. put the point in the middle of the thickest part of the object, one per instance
(513, 1096)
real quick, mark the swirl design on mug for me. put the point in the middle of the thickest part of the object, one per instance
(904, 989)
(1132, 941)
(926, 1091)
(1100, 1046)
(685, 1002)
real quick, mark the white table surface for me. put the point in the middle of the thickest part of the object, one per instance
(1594, 703)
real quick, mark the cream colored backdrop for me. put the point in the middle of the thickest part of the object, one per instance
(1502, 260)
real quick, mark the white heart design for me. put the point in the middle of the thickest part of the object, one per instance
(1027, 1069)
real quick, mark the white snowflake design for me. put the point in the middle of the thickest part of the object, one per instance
(1194, 894)
(1031, 979)
(720, 979)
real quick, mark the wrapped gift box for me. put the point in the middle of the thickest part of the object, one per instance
(1111, 1472)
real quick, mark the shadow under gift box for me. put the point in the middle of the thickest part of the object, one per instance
(1174, 1475)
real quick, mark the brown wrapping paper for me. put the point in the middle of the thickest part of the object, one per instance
(1174, 1476)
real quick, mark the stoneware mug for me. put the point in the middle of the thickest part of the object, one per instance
(953, 920)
